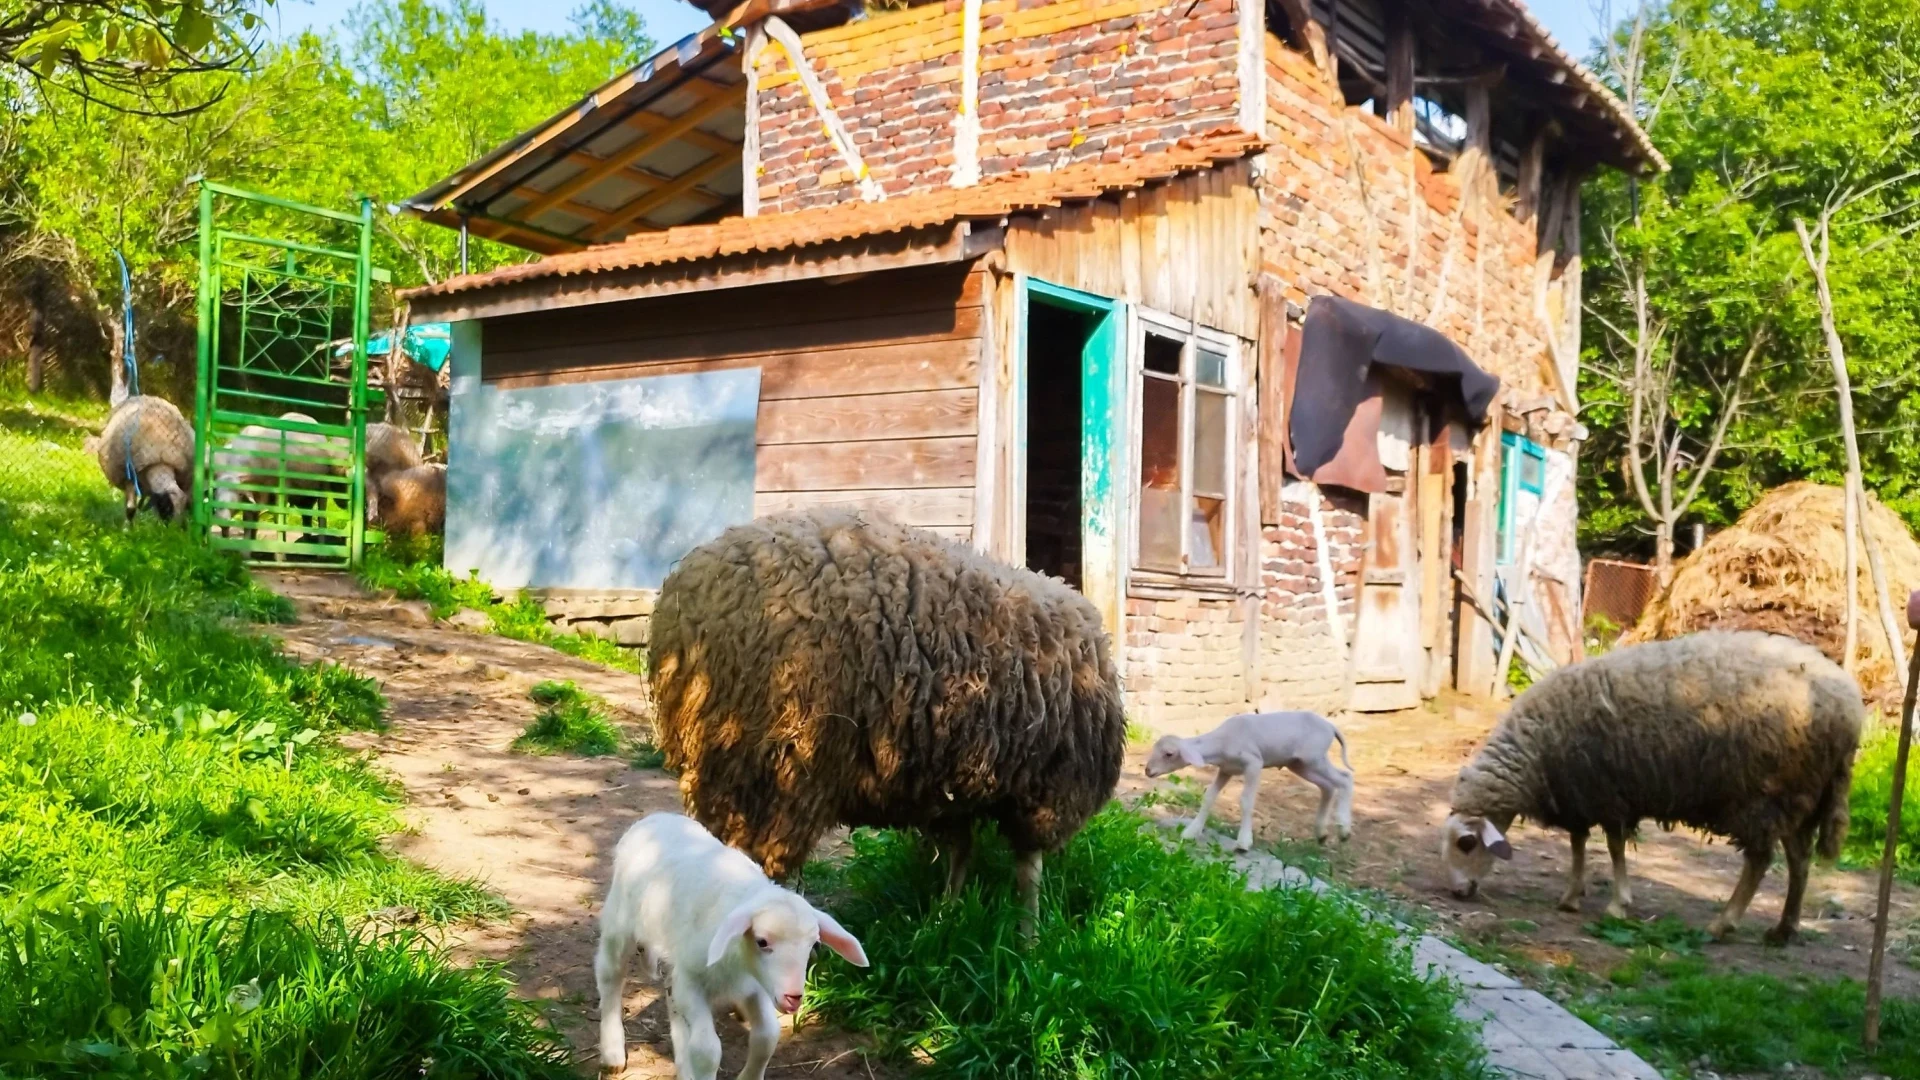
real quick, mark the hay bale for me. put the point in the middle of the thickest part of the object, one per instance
(1780, 569)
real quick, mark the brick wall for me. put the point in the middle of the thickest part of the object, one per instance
(1302, 656)
(1185, 667)
(1060, 81)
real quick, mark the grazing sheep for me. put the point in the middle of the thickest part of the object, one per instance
(1246, 744)
(252, 457)
(389, 450)
(733, 938)
(1739, 734)
(823, 669)
(415, 500)
(146, 449)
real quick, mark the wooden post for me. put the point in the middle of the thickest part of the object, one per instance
(1533, 163)
(1883, 901)
(1400, 65)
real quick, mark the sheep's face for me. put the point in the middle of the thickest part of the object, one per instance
(776, 933)
(1171, 754)
(1468, 846)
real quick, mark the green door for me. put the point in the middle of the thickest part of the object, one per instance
(281, 410)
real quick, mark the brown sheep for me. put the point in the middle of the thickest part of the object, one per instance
(146, 449)
(823, 669)
(1744, 735)
(389, 450)
(415, 500)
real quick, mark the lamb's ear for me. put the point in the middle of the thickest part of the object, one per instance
(1191, 755)
(734, 925)
(1496, 844)
(1466, 842)
(835, 937)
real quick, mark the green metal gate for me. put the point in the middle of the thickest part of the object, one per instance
(280, 417)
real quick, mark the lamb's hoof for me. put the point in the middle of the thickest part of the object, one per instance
(1242, 846)
(1616, 910)
(1779, 936)
(1190, 835)
(1719, 930)
(1570, 904)
(1321, 839)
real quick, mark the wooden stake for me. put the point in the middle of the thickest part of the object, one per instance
(1883, 902)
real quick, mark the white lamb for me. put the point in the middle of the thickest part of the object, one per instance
(734, 939)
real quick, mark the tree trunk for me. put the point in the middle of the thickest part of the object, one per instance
(37, 334)
(1843, 387)
(116, 355)
(1888, 624)
(1663, 553)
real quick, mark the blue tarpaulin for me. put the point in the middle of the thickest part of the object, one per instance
(426, 344)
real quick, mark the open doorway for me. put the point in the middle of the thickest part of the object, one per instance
(1057, 340)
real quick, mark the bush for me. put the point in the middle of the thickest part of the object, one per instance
(1145, 964)
(1872, 799)
(571, 722)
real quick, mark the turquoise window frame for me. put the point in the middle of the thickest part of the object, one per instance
(1513, 448)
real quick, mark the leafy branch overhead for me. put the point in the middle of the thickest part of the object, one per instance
(104, 48)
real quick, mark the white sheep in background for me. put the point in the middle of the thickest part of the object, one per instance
(734, 939)
(1244, 745)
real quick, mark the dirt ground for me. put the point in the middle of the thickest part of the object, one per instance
(1404, 766)
(540, 831)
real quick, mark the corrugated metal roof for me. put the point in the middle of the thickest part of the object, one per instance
(994, 198)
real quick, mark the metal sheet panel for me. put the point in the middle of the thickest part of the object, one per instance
(598, 485)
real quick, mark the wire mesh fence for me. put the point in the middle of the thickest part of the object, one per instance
(1615, 594)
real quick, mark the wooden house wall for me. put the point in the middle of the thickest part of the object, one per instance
(868, 388)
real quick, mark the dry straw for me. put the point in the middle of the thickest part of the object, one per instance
(1780, 569)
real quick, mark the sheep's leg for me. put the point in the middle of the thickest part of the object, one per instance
(1250, 798)
(1576, 873)
(610, 973)
(1799, 847)
(1027, 873)
(133, 505)
(1343, 809)
(956, 847)
(696, 1046)
(1743, 890)
(1622, 897)
(1335, 789)
(1199, 822)
(763, 1034)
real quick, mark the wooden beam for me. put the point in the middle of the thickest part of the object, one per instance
(630, 153)
(666, 193)
(650, 122)
(1532, 165)
(1400, 68)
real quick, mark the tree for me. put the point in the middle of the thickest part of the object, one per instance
(120, 52)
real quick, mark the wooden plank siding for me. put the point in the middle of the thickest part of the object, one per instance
(1188, 247)
(869, 389)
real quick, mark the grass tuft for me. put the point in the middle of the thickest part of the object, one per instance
(1873, 797)
(570, 722)
(1146, 964)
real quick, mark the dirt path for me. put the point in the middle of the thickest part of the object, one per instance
(1405, 764)
(539, 831)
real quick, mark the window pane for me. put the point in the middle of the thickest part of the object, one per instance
(1163, 354)
(1210, 367)
(1208, 542)
(1533, 472)
(1160, 472)
(1210, 444)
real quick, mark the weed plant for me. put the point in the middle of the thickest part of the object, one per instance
(411, 569)
(571, 721)
(188, 860)
(1145, 964)
(1873, 797)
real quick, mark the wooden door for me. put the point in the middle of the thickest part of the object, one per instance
(1389, 657)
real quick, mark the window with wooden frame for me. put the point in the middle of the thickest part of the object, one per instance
(1523, 468)
(1187, 381)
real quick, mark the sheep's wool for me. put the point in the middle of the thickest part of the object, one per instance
(824, 669)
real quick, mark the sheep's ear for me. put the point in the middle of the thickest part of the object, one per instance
(1191, 756)
(1496, 843)
(835, 937)
(734, 925)
(1466, 842)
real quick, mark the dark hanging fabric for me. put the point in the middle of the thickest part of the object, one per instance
(1334, 417)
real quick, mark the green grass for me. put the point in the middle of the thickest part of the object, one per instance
(180, 833)
(1873, 797)
(1672, 1009)
(411, 569)
(1146, 964)
(571, 721)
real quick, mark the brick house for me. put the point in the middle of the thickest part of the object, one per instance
(1042, 276)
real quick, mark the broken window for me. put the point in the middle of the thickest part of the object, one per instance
(1523, 478)
(1186, 449)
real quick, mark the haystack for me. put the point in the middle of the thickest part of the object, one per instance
(1781, 569)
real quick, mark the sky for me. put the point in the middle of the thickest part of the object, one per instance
(1571, 21)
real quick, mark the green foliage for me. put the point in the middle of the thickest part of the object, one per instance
(1601, 633)
(129, 48)
(1145, 964)
(189, 863)
(1873, 797)
(1665, 934)
(1779, 108)
(1675, 1010)
(139, 988)
(571, 721)
(411, 570)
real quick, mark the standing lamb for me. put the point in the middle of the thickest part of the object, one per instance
(1249, 743)
(413, 501)
(823, 669)
(146, 449)
(733, 938)
(1739, 734)
(389, 451)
